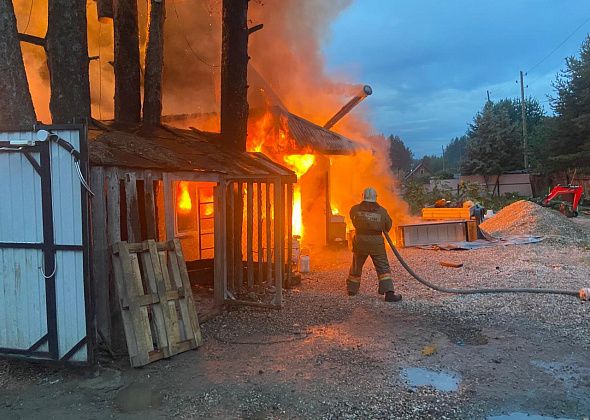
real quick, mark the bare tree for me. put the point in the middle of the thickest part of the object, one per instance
(154, 64)
(16, 105)
(127, 69)
(67, 59)
(234, 72)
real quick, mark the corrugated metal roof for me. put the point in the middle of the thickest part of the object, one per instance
(170, 150)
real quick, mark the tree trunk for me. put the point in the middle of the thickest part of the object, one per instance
(234, 72)
(16, 105)
(127, 74)
(154, 64)
(67, 60)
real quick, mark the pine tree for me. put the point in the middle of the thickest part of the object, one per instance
(569, 143)
(400, 155)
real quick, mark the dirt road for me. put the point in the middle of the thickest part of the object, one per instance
(330, 356)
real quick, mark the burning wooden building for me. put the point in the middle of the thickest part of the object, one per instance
(230, 209)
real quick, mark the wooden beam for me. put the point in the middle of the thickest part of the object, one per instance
(132, 205)
(104, 10)
(255, 28)
(289, 226)
(278, 242)
(32, 39)
(113, 224)
(239, 221)
(268, 223)
(231, 237)
(100, 254)
(250, 233)
(218, 262)
(150, 206)
(169, 206)
(259, 213)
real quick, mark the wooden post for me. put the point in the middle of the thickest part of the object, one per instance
(238, 222)
(279, 240)
(234, 72)
(219, 241)
(169, 206)
(150, 206)
(133, 227)
(289, 226)
(67, 60)
(268, 235)
(230, 237)
(113, 224)
(154, 64)
(100, 253)
(250, 233)
(260, 278)
(16, 105)
(127, 74)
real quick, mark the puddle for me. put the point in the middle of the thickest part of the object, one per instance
(525, 416)
(441, 381)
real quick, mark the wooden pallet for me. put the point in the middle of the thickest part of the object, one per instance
(159, 314)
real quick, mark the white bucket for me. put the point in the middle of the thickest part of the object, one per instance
(304, 264)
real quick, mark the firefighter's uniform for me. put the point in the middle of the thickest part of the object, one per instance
(369, 220)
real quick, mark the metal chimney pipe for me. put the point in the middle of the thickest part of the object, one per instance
(357, 99)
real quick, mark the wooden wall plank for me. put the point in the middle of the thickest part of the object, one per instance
(132, 205)
(150, 206)
(118, 342)
(219, 243)
(100, 253)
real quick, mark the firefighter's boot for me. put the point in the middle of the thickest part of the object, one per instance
(353, 284)
(392, 297)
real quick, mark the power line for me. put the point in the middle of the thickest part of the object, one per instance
(560, 45)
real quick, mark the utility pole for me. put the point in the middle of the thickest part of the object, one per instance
(524, 134)
(488, 92)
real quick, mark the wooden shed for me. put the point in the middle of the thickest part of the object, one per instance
(231, 211)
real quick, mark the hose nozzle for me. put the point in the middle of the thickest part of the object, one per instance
(585, 293)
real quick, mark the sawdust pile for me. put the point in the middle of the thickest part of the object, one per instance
(527, 218)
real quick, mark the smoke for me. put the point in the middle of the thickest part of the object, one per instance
(286, 66)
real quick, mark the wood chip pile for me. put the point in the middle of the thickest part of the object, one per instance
(528, 218)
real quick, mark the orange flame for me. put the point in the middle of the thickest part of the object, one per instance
(335, 211)
(184, 201)
(207, 200)
(299, 164)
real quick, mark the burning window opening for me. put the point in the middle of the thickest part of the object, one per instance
(195, 219)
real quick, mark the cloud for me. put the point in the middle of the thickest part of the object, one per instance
(430, 63)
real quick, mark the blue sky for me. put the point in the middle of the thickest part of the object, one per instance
(430, 62)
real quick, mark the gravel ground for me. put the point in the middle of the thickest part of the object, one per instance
(326, 355)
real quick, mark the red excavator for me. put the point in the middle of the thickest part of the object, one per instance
(569, 209)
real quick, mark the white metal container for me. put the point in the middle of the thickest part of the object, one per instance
(304, 264)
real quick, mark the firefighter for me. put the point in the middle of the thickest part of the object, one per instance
(370, 220)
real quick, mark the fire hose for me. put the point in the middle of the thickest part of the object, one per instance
(583, 294)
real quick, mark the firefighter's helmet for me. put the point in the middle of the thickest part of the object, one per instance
(370, 195)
